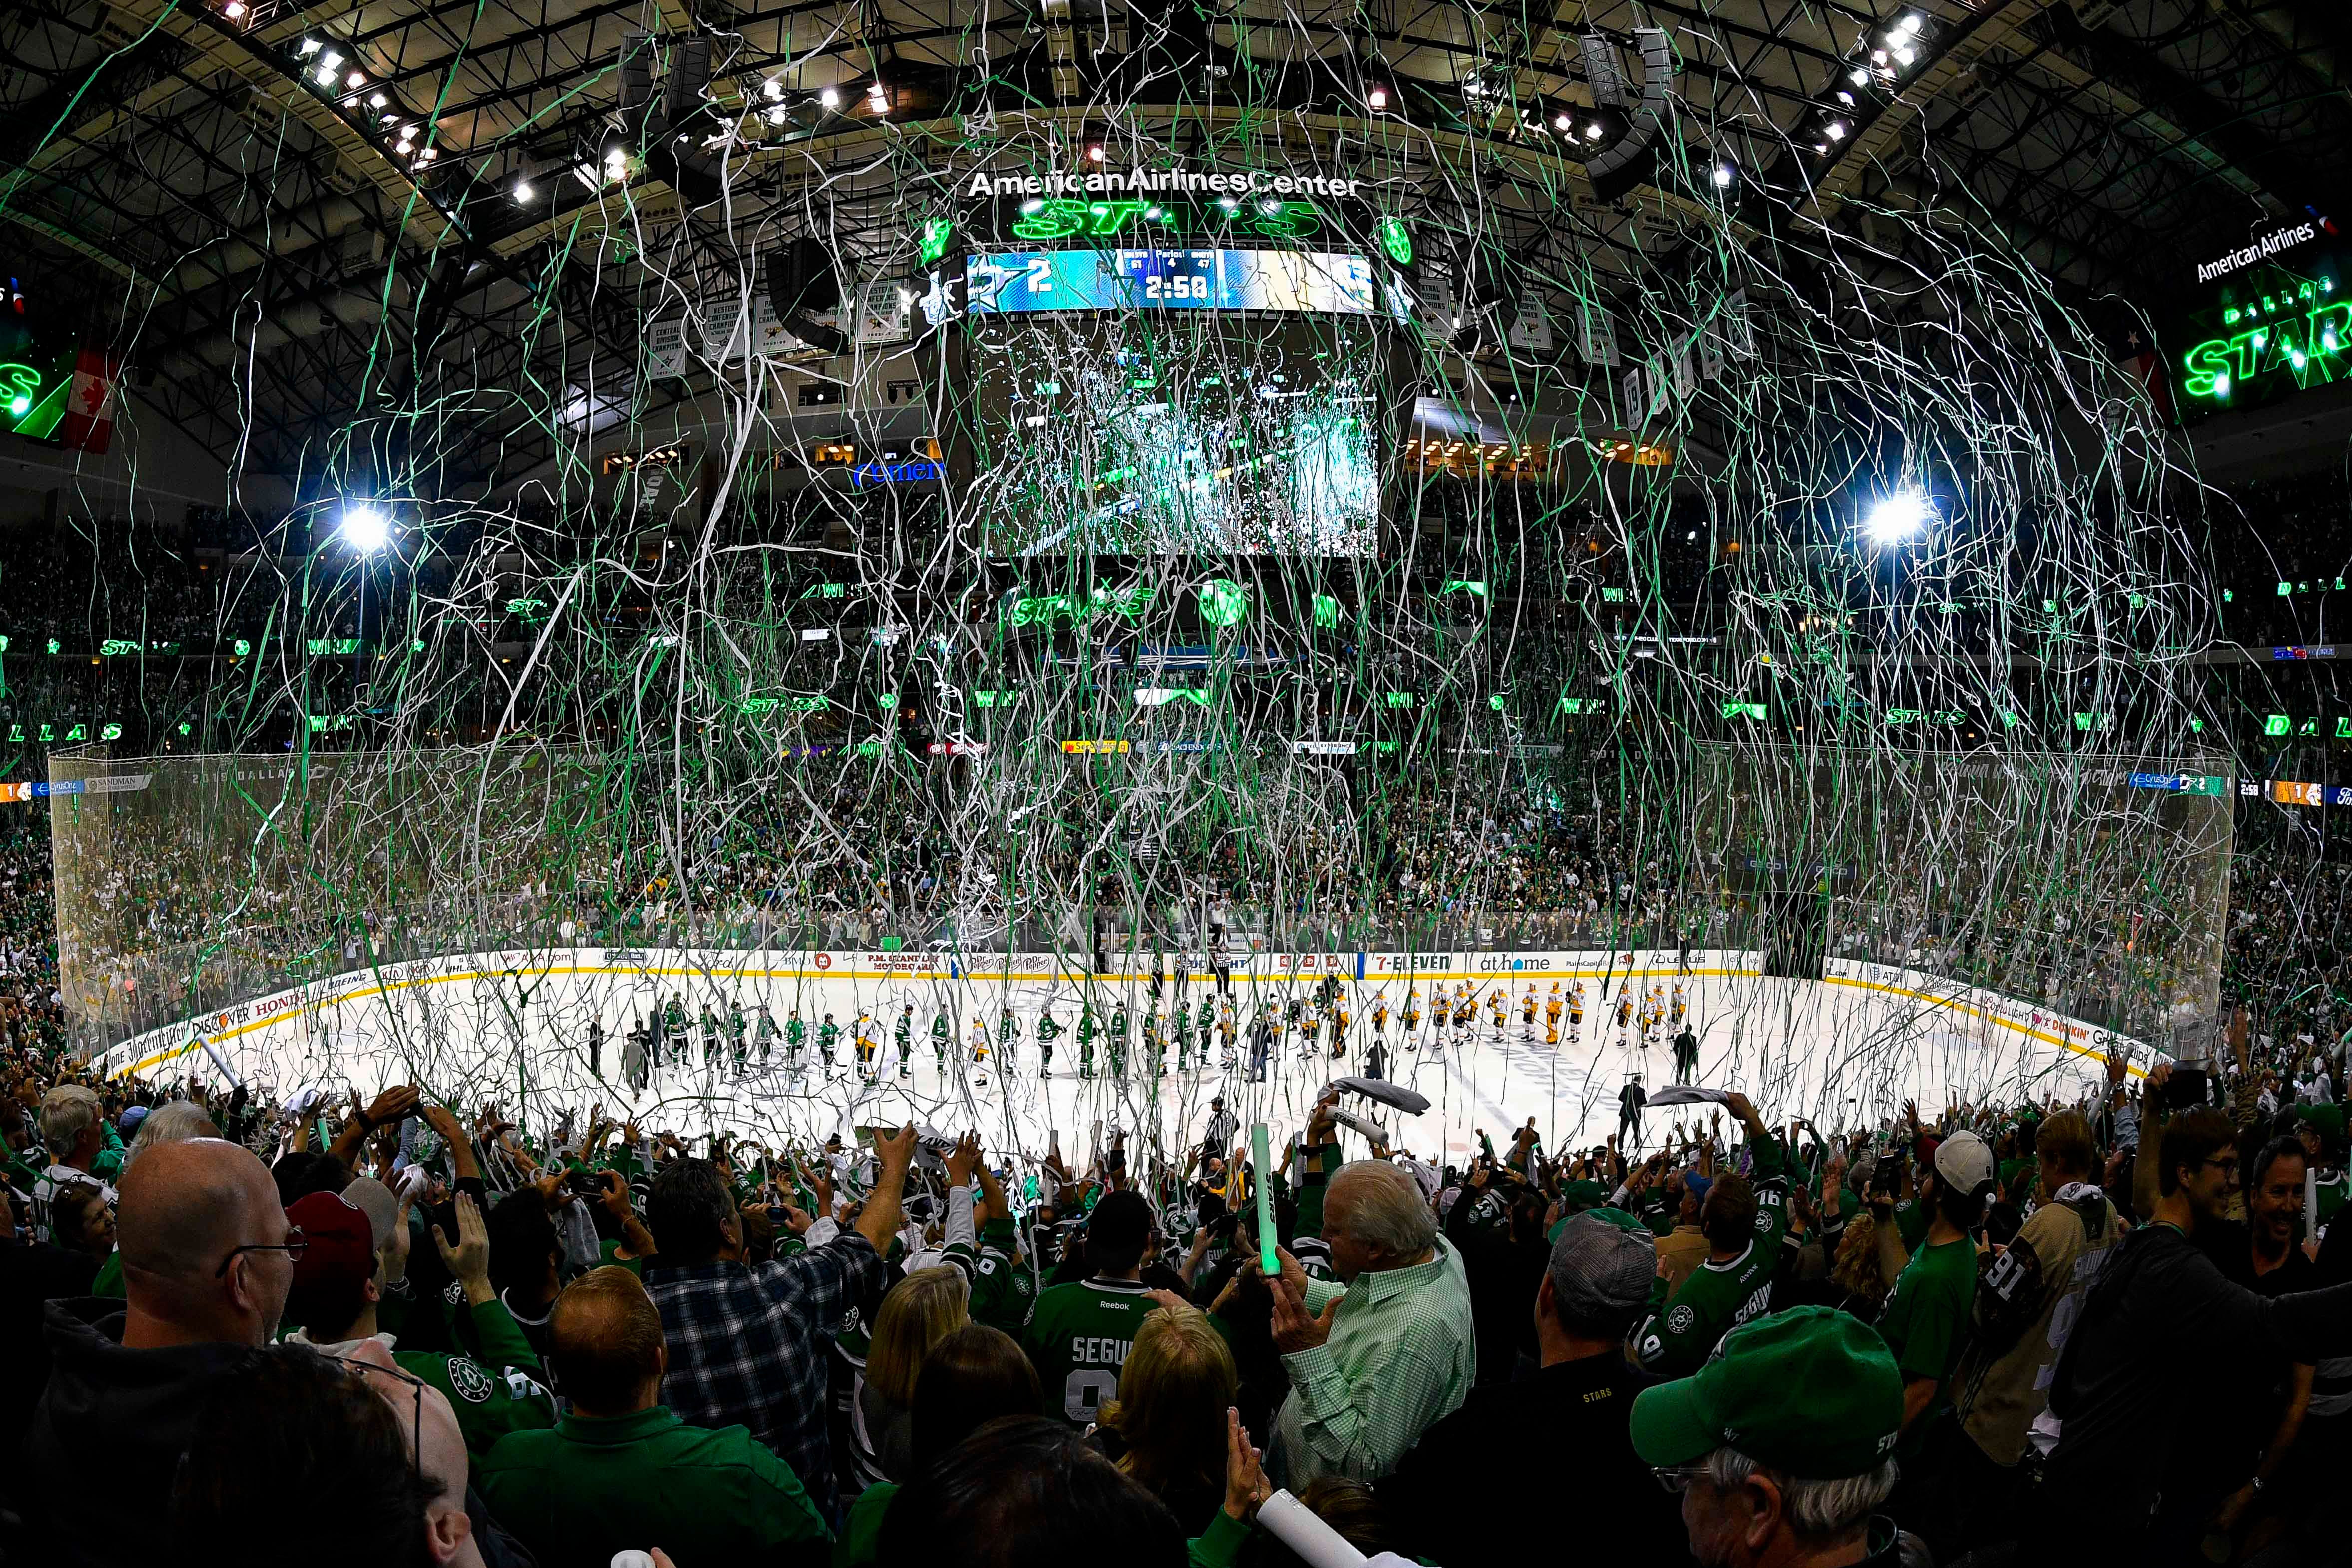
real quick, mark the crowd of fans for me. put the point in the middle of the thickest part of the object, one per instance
(405, 1332)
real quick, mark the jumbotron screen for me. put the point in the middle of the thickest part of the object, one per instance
(1183, 431)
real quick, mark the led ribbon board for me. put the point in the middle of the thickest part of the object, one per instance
(1020, 281)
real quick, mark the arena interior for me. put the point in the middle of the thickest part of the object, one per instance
(883, 783)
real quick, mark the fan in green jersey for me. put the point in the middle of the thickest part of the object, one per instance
(1078, 1335)
(1003, 1290)
(1745, 1218)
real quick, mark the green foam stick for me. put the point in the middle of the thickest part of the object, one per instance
(1267, 1263)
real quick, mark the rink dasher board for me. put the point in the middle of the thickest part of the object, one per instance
(716, 977)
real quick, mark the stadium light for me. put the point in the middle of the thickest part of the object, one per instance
(365, 527)
(1724, 175)
(1899, 516)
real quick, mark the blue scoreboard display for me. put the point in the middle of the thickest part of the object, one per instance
(1012, 282)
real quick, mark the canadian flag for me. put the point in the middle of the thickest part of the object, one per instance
(88, 423)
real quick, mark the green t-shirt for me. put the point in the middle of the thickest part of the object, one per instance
(1925, 1322)
(1911, 1222)
(1077, 1337)
(1682, 1329)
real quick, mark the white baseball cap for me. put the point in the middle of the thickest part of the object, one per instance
(1965, 1161)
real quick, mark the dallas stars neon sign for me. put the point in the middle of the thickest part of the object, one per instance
(2302, 334)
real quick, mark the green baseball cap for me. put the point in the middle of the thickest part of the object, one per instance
(1577, 1196)
(1812, 1392)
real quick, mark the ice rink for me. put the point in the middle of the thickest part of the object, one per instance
(518, 1028)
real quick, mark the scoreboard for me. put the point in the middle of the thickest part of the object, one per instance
(1027, 280)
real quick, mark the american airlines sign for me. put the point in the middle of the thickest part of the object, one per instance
(2262, 249)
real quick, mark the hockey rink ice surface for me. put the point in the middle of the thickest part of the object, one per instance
(515, 1028)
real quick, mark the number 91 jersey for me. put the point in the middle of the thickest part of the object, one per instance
(1079, 1337)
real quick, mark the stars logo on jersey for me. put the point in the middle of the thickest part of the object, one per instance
(1763, 1221)
(470, 1382)
(1680, 1320)
(454, 1294)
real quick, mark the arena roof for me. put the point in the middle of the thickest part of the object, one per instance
(270, 207)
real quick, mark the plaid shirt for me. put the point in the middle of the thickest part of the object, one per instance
(1401, 1355)
(748, 1347)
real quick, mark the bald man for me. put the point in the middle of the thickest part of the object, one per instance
(205, 1268)
(622, 1470)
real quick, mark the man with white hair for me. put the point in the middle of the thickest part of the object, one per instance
(1782, 1447)
(1376, 1360)
(73, 1129)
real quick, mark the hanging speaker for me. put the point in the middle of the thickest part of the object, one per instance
(689, 73)
(801, 279)
(636, 70)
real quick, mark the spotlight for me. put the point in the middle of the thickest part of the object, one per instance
(1906, 25)
(771, 90)
(1724, 175)
(1593, 132)
(522, 190)
(365, 527)
(776, 114)
(1563, 122)
(309, 47)
(1905, 57)
(1859, 77)
(234, 10)
(1897, 516)
(1377, 99)
(1095, 153)
(377, 100)
(1846, 98)
(829, 99)
(1836, 131)
(356, 80)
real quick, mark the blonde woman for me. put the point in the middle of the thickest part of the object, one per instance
(1167, 1427)
(923, 1308)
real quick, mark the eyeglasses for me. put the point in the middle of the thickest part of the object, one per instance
(294, 1246)
(2228, 1167)
(363, 1370)
(1677, 1479)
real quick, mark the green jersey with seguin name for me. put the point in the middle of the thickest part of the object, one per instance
(1077, 1337)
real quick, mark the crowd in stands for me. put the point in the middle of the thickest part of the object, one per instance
(402, 1332)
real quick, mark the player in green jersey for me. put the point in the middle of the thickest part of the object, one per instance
(1745, 1220)
(942, 1027)
(1078, 1335)
(1087, 1029)
(828, 1033)
(1119, 1042)
(1048, 1032)
(905, 1031)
